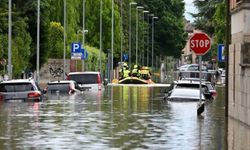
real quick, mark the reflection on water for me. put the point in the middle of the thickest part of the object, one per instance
(117, 117)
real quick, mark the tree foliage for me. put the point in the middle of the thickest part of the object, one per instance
(211, 19)
(169, 34)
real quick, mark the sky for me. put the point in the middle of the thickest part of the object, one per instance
(189, 7)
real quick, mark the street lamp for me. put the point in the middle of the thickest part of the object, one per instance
(112, 42)
(143, 49)
(38, 41)
(148, 39)
(131, 3)
(9, 42)
(100, 62)
(121, 30)
(64, 39)
(153, 18)
(83, 29)
(137, 9)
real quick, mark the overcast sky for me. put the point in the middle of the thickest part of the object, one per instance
(189, 7)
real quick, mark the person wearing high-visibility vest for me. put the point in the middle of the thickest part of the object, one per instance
(136, 72)
(124, 72)
(145, 73)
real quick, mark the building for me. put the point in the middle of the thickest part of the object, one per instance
(239, 62)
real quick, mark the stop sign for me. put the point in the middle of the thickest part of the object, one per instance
(200, 43)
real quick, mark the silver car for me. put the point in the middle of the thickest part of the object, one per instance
(20, 90)
(62, 90)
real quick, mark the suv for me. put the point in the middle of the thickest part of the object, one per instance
(87, 80)
(20, 90)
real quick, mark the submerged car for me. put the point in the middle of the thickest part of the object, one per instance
(207, 88)
(20, 90)
(88, 80)
(185, 94)
(64, 89)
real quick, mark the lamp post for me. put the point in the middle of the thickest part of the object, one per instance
(112, 42)
(9, 42)
(121, 30)
(64, 39)
(136, 53)
(83, 29)
(143, 52)
(148, 39)
(100, 61)
(131, 3)
(152, 65)
(38, 41)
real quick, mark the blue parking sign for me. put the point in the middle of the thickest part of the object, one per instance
(76, 47)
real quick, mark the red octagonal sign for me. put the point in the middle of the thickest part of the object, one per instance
(200, 43)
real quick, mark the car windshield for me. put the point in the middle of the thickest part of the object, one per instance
(84, 78)
(16, 87)
(62, 87)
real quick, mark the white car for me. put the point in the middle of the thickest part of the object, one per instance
(88, 80)
(20, 90)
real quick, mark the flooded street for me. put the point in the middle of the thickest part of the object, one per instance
(119, 117)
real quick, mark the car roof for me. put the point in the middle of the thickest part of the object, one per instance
(89, 72)
(18, 81)
(188, 82)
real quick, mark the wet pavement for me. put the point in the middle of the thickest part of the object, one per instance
(119, 117)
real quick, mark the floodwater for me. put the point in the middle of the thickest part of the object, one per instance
(119, 117)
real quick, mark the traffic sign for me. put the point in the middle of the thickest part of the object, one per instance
(125, 57)
(221, 56)
(200, 43)
(77, 51)
(76, 47)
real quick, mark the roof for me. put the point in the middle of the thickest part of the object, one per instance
(18, 81)
(61, 81)
(89, 72)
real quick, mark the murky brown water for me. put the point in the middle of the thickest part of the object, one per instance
(131, 117)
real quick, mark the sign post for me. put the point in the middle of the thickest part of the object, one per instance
(200, 44)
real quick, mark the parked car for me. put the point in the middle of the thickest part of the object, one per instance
(64, 89)
(20, 90)
(185, 94)
(192, 67)
(206, 87)
(88, 80)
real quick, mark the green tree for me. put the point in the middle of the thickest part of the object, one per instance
(55, 40)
